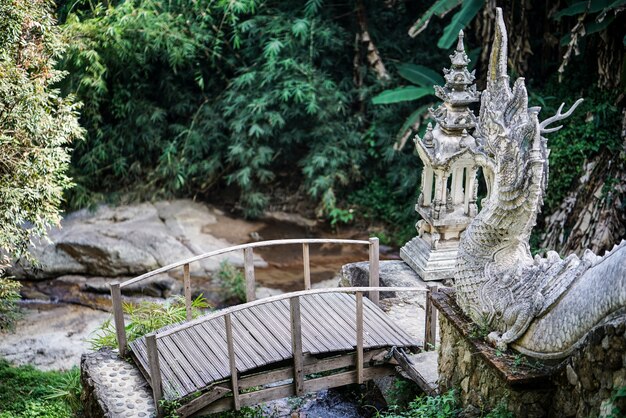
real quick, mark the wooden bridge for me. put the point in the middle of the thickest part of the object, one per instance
(270, 348)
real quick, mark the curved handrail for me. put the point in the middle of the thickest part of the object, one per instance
(116, 287)
(240, 247)
(270, 299)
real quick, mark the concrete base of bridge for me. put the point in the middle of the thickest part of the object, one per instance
(114, 388)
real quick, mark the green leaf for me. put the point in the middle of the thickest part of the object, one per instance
(441, 7)
(460, 20)
(598, 26)
(411, 120)
(402, 94)
(624, 40)
(420, 75)
(594, 7)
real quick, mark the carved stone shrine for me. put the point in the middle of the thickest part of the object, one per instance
(447, 202)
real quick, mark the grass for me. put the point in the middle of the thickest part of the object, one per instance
(26, 392)
(146, 317)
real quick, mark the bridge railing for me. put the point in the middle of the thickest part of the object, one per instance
(248, 255)
(296, 336)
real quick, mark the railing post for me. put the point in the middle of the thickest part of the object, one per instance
(374, 269)
(248, 260)
(232, 361)
(118, 317)
(296, 345)
(430, 327)
(359, 337)
(155, 372)
(307, 266)
(187, 287)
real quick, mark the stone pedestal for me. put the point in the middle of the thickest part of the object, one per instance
(429, 263)
(584, 384)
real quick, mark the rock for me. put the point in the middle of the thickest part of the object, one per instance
(51, 337)
(394, 273)
(127, 241)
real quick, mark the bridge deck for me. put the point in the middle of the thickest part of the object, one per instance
(194, 358)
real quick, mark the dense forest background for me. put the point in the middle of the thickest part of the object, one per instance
(310, 106)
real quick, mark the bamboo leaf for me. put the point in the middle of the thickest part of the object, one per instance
(441, 7)
(460, 20)
(420, 75)
(402, 94)
(412, 120)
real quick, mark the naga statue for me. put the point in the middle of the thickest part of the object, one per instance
(542, 307)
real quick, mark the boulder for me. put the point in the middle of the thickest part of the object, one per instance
(127, 241)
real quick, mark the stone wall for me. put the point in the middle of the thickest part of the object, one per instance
(582, 385)
(479, 387)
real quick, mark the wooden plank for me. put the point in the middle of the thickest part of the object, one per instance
(339, 362)
(359, 337)
(179, 372)
(266, 377)
(346, 378)
(248, 261)
(284, 296)
(187, 288)
(155, 372)
(264, 337)
(428, 385)
(392, 328)
(118, 318)
(171, 386)
(343, 333)
(320, 329)
(296, 346)
(253, 350)
(186, 360)
(279, 327)
(201, 401)
(344, 321)
(307, 266)
(249, 399)
(281, 311)
(207, 357)
(344, 306)
(215, 332)
(213, 352)
(374, 269)
(232, 361)
(430, 329)
(192, 354)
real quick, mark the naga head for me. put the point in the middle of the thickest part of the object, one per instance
(508, 130)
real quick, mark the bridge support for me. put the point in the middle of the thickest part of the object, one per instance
(374, 269)
(155, 372)
(296, 346)
(118, 317)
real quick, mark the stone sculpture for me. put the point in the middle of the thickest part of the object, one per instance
(542, 307)
(447, 202)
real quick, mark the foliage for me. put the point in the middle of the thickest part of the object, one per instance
(36, 125)
(594, 126)
(24, 392)
(146, 317)
(402, 392)
(469, 9)
(442, 406)
(233, 281)
(376, 204)
(244, 90)
(68, 390)
(9, 295)
(618, 402)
